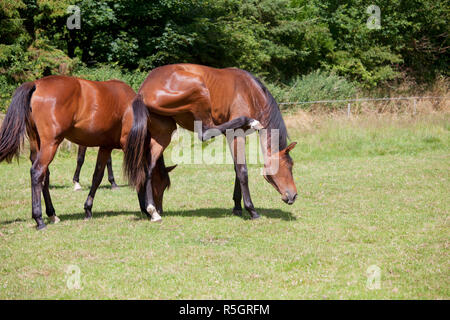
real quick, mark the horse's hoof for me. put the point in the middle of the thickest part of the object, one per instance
(86, 218)
(41, 226)
(255, 216)
(237, 212)
(255, 124)
(54, 219)
(114, 186)
(156, 217)
(77, 187)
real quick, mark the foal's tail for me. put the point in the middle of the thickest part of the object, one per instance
(14, 126)
(138, 145)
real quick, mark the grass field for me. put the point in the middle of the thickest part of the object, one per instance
(372, 191)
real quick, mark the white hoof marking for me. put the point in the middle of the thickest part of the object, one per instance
(156, 217)
(77, 187)
(54, 219)
(151, 209)
(153, 213)
(255, 124)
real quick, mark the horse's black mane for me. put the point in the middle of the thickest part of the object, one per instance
(272, 118)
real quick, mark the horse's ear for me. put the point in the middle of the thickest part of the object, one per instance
(290, 147)
(168, 169)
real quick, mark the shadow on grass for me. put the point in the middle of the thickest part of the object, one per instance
(203, 212)
(4, 223)
(83, 188)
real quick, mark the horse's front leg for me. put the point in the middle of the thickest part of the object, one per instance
(111, 180)
(102, 158)
(80, 160)
(237, 146)
(237, 196)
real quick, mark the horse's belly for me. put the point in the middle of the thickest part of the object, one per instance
(94, 138)
(185, 121)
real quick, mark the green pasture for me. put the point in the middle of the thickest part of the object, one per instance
(372, 192)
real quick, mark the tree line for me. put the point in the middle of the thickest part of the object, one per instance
(278, 40)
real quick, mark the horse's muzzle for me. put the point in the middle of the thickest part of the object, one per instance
(289, 197)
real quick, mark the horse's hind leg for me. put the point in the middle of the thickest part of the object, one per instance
(150, 202)
(102, 158)
(111, 174)
(142, 199)
(49, 209)
(38, 173)
(237, 123)
(80, 160)
(160, 141)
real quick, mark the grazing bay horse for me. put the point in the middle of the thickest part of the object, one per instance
(220, 99)
(80, 161)
(88, 113)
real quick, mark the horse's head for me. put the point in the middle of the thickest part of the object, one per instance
(278, 172)
(160, 182)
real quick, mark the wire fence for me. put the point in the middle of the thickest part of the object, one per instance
(350, 101)
(67, 145)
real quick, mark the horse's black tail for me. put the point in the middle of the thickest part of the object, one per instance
(138, 145)
(14, 126)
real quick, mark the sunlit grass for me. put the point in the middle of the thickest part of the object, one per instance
(370, 193)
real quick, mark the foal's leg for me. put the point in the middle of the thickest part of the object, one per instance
(111, 175)
(102, 158)
(238, 153)
(80, 160)
(38, 174)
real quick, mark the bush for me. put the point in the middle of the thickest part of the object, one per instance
(6, 91)
(317, 85)
(105, 72)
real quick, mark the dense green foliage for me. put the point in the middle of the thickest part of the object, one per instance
(279, 40)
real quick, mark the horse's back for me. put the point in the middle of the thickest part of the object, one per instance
(86, 112)
(231, 92)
